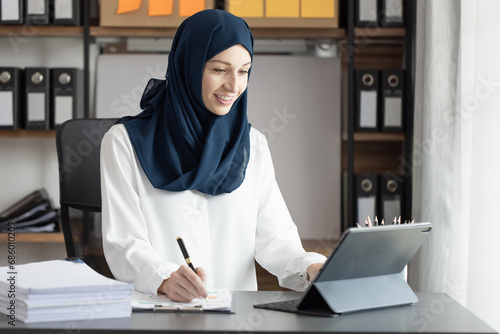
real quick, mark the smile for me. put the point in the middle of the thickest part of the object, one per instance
(224, 98)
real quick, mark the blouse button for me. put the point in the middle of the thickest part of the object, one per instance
(201, 205)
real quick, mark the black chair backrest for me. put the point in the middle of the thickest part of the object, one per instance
(78, 149)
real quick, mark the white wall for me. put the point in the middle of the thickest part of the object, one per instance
(27, 164)
(295, 102)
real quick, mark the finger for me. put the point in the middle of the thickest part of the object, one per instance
(176, 297)
(196, 279)
(202, 274)
(180, 285)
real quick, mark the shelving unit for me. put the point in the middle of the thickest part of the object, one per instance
(25, 34)
(378, 153)
(27, 133)
(35, 237)
(332, 33)
(34, 31)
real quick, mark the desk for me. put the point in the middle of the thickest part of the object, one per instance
(436, 313)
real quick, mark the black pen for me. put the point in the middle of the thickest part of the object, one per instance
(185, 253)
(186, 257)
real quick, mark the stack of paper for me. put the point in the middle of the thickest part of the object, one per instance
(61, 290)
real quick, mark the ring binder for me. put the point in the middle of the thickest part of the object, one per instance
(391, 13)
(366, 13)
(67, 93)
(391, 192)
(365, 196)
(67, 12)
(392, 100)
(37, 12)
(37, 98)
(11, 12)
(366, 100)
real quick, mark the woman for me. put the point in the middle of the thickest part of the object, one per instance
(190, 165)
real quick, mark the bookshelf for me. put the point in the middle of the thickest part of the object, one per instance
(27, 133)
(57, 237)
(41, 31)
(374, 47)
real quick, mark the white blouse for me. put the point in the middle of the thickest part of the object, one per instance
(223, 234)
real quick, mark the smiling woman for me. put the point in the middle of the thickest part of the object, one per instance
(224, 79)
(191, 165)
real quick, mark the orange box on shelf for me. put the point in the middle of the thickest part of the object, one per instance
(149, 13)
(286, 13)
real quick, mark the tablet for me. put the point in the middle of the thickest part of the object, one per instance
(364, 271)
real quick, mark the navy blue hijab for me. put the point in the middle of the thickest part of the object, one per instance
(180, 144)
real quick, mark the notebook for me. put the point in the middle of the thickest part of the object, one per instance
(363, 272)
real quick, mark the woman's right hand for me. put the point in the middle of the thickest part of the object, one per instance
(185, 285)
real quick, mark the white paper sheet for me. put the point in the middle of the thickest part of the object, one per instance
(218, 300)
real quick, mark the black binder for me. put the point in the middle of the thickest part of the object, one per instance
(67, 12)
(12, 12)
(93, 11)
(37, 98)
(11, 98)
(366, 13)
(38, 12)
(391, 197)
(392, 100)
(366, 100)
(391, 13)
(67, 95)
(366, 197)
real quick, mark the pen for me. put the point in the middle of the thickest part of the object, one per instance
(185, 253)
(186, 256)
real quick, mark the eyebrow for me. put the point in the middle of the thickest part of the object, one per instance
(226, 63)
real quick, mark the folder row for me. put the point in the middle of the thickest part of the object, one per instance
(40, 12)
(383, 13)
(39, 98)
(378, 195)
(379, 100)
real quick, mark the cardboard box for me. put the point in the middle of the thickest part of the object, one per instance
(286, 13)
(140, 17)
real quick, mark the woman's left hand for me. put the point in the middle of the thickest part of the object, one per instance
(313, 270)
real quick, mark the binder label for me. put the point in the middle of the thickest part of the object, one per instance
(63, 109)
(6, 108)
(368, 109)
(35, 7)
(63, 10)
(36, 107)
(392, 112)
(10, 10)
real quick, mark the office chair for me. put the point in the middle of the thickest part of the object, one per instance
(78, 144)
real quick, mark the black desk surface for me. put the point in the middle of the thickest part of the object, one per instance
(434, 313)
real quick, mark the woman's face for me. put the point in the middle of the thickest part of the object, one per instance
(225, 78)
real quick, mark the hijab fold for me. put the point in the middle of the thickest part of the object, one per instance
(180, 144)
